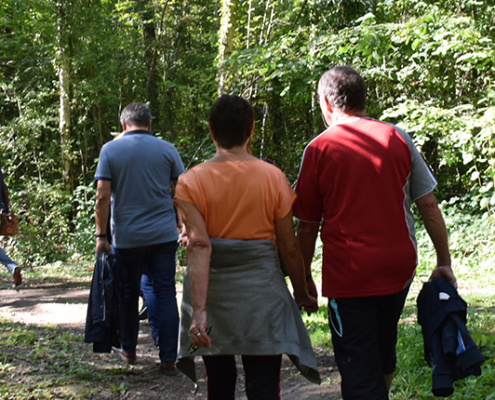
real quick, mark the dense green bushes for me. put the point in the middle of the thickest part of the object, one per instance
(428, 65)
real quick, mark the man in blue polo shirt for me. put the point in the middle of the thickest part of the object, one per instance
(136, 176)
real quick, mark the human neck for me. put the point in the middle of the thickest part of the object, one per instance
(237, 153)
(340, 116)
(130, 128)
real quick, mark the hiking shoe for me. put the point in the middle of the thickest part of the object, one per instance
(17, 276)
(124, 356)
(168, 368)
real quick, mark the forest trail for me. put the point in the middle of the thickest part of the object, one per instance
(64, 305)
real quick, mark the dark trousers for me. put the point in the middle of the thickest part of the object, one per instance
(159, 262)
(262, 377)
(364, 337)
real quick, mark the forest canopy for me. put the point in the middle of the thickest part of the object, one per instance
(67, 68)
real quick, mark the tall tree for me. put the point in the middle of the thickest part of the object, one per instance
(63, 68)
(225, 39)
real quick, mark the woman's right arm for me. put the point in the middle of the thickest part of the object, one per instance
(198, 259)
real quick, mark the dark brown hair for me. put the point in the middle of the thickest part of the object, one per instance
(231, 120)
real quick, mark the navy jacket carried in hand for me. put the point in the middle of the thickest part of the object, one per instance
(102, 318)
(448, 347)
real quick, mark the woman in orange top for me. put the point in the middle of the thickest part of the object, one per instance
(235, 298)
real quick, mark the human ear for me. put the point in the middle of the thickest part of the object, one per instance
(212, 134)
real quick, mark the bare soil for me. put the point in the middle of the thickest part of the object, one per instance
(62, 306)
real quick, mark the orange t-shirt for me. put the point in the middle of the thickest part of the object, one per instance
(238, 199)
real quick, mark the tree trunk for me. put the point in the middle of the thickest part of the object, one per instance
(225, 40)
(315, 107)
(151, 58)
(64, 79)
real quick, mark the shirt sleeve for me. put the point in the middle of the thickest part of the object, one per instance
(421, 180)
(103, 170)
(286, 197)
(308, 204)
(188, 189)
(177, 166)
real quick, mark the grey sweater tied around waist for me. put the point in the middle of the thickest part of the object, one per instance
(249, 308)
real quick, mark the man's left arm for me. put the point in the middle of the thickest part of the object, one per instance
(102, 210)
(435, 226)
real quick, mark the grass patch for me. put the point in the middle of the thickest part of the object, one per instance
(317, 326)
(38, 363)
(56, 273)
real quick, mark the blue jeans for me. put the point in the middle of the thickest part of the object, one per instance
(150, 301)
(159, 262)
(6, 260)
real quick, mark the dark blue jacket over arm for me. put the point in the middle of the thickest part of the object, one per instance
(448, 346)
(102, 318)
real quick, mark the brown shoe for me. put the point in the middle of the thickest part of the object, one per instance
(168, 368)
(17, 276)
(124, 356)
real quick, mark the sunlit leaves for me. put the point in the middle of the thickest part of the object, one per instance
(428, 67)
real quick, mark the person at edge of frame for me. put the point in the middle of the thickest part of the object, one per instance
(10, 264)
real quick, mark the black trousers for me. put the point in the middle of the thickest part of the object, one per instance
(262, 377)
(364, 337)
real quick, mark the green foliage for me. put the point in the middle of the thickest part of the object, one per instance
(428, 65)
(46, 233)
(112, 60)
(317, 326)
(428, 68)
(471, 244)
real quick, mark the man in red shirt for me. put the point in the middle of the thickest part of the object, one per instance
(359, 177)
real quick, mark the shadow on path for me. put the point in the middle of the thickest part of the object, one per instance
(63, 306)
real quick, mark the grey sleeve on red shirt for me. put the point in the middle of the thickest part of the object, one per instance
(421, 180)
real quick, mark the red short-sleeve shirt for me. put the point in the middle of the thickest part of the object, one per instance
(359, 177)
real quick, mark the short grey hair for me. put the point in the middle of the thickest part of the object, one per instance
(344, 89)
(136, 114)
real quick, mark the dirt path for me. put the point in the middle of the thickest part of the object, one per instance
(64, 306)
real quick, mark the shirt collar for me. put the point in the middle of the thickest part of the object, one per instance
(138, 132)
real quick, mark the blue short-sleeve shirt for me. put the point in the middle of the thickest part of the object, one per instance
(141, 168)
